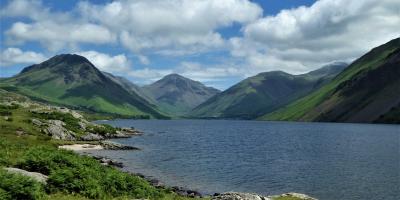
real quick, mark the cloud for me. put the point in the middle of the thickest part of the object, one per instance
(182, 26)
(53, 30)
(113, 64)
(55, 36)
(14, 56)
(304, 38)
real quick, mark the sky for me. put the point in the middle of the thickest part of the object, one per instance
(217, 42)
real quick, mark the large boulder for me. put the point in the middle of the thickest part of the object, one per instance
(34, 175)
(57, 131)
(239, 196)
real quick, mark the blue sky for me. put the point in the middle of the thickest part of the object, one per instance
(216, 42)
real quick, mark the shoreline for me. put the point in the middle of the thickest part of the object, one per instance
(89, 149)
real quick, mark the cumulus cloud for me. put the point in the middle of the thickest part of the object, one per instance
(54, 30)
(170, 26)
(301, 39)
(112, 64)
(14, 56)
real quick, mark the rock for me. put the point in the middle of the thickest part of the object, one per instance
(296, 195)
(59, 132)
(56, 122)
(239, 196)
(116, 146)
(20, 132)
(82, 125)
(108, 162)
(186, 192)
(92, 137)
(34, 175)
(36, 122)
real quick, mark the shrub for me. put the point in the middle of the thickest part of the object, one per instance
(15, 186)
(70, 173)
(103, 129)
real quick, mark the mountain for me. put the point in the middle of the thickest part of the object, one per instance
(129, 86)
(177, 95)
(71, 80)
(264, 93)
(367, 91)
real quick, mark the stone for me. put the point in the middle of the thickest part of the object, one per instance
(92, 137)
(34, 175)
(56, 122)
(116, 146)
(239, 196)
(36, 122)
(296, 195)
(60, 133)
(82, 125)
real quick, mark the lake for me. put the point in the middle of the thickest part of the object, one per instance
(326, 160)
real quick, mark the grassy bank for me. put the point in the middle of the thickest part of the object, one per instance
(70, 176)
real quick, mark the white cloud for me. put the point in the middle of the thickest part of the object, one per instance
(54, 30)
(14, 56)
(182, 26)
(113, 64)
(301, 39)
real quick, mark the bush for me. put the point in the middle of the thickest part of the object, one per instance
(103, 129)
(15, 186)
(5, 112)
(73, 174)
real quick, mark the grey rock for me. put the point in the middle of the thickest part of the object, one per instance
(239, 196)
(56, 122)
(116, 146)
(34, 175)
(60, 133)
(82, 125)
(92, 137)
(297, 195)
(36, 122)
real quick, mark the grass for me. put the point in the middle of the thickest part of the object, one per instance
(71, 176)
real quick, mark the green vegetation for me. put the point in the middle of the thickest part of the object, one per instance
(264, 93)
(71, 176)
(367, 86)
(15, 186)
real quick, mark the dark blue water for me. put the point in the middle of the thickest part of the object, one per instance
(325, 160)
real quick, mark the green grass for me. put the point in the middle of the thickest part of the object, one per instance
(71, 176)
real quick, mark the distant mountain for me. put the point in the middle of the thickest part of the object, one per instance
(367, 91)
(264, 93)
(72, 80)
(177, 95)
(129, 86)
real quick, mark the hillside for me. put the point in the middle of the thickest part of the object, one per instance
(264, 93)
(367, 91)
(177, 95)
(71, 80)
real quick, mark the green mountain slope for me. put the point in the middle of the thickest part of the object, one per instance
(72, 80)
(367, 91)
(129, 86)
(176, 95)
(264, 93)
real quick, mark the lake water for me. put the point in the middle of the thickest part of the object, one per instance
(325, 160)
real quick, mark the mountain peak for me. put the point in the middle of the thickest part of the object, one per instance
(62, 59)
(174, 76)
